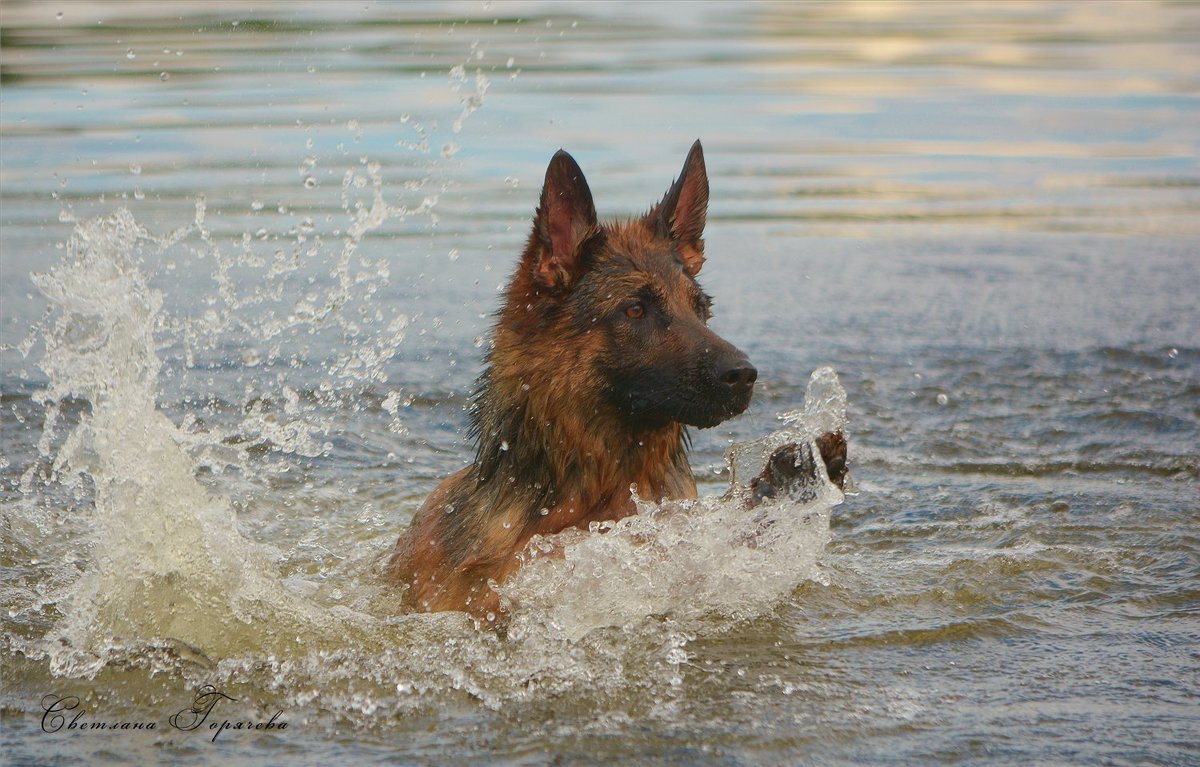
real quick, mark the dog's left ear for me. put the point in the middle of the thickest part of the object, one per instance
(683, 210)
(565, 221)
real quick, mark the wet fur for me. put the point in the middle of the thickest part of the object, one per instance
(578, 401)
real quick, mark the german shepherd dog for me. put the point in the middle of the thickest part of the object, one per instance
(601, 356)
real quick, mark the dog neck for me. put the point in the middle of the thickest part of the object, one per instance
(582, 456)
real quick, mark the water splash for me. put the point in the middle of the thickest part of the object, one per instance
(174, 582)
(688, 560)
(167, 558)
(472, 101)
(824, 411)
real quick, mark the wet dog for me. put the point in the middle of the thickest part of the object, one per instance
(601, 356)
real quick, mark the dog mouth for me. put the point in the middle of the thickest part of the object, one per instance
(702, 396)
(715, 413)
(701, 409)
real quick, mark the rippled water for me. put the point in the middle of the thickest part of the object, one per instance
(250, 252)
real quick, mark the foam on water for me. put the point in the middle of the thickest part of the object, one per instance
(167, 564)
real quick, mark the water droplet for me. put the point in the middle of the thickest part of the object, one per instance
(1172, 353)
(138, 194)
(59, 15)
(509, 64)
(251, 357)
(942, 399)
(453, 254)
(256, 205)
(164, 76)
(544, 512)
(129, 54)
(135, 169)
(450, 150)
(504, 445)
(309, 182)
(478, 341)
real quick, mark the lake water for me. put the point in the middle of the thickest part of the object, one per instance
(250, 255)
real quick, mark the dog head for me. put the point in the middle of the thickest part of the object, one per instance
(627, 296)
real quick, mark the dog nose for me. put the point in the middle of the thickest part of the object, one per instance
(739, 376)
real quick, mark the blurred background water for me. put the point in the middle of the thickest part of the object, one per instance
(985, 217)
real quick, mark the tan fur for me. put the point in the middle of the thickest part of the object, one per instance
(554, 450)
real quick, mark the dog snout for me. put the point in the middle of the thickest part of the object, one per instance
(738, 374)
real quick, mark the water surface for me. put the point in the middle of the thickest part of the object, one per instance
(257, 360)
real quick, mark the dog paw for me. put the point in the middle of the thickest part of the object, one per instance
(832, 445)
(792, 469)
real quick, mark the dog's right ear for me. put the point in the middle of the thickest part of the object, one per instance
(565, 221)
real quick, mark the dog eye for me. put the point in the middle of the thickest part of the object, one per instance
(635, 311)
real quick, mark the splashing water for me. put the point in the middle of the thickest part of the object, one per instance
(824, 411)
(169, 564)
(692, 559)
(167, 558)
